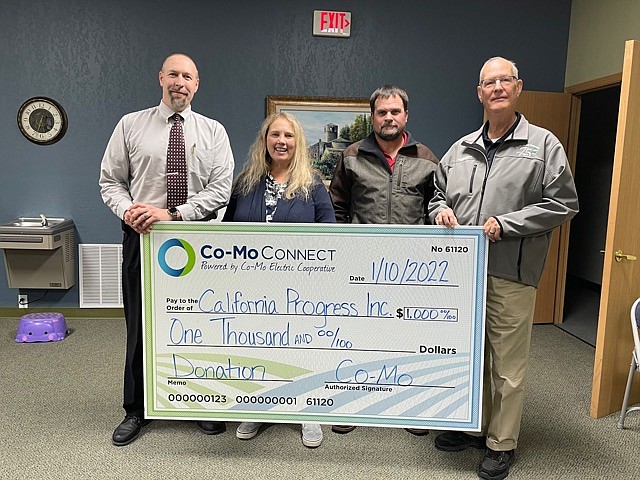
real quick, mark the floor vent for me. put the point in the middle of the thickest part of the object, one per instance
(100, 275)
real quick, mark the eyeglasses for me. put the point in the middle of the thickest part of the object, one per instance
(504, 81)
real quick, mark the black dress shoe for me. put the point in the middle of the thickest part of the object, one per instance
(495, 465)
(459, 441)
(418, 432)
(211, 428)
(342, 429)
(128, 430)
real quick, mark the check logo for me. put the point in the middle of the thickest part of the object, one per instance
(162, 257)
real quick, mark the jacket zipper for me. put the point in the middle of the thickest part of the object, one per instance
(484, 181)
(520, 259)
(389, 193)
(473, 176)
(484, 184)
(398, 169)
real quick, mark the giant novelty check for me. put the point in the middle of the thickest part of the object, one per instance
(341, 324)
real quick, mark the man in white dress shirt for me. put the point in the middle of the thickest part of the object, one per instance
(133, 184)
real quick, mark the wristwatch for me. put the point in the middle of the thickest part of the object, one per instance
(175, 214)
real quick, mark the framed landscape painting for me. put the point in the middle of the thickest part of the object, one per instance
(330, 125)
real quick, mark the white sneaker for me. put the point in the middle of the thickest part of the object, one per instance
(311, 435)
(247, 430)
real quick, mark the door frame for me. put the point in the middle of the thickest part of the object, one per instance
(576, 91)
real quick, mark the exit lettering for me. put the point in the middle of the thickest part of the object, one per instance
(330, 23)
(333, 21)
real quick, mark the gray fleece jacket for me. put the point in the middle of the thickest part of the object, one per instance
(528, 188)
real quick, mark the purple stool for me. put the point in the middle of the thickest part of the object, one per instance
(42, 327)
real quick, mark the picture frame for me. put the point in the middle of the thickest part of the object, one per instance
(330, 124)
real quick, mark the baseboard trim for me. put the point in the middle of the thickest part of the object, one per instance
(67, 312)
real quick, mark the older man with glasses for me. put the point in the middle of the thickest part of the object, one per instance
(513, 179)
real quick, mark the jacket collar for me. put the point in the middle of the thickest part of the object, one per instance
(370, 145)
(520, 133)
(485, 132)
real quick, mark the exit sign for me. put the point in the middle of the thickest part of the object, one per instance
(331, 24)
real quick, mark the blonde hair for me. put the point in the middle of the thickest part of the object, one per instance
(258, 164)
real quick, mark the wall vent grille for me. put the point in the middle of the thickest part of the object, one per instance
(100, 275)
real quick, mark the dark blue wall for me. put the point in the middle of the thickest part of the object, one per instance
(101, 59)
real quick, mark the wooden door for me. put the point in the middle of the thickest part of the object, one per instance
(551, 111)
(620, 279)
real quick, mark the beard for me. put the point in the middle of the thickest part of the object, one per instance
(179, 103)
(178, 100)
(389, 136)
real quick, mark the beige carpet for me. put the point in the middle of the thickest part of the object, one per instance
(61, 401)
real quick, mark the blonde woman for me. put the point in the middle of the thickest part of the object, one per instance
(278, 184)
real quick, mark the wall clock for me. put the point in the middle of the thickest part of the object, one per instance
(42, 120)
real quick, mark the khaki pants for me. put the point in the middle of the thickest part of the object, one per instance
(508, 325)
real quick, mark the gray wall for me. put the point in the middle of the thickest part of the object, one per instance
(597, 36)
(100, 60)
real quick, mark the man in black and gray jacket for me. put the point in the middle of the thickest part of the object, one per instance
(513, 179)
(386, 177)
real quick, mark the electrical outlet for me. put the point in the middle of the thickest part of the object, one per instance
(23, 301)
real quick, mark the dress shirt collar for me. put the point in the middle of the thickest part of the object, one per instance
(167, 112)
